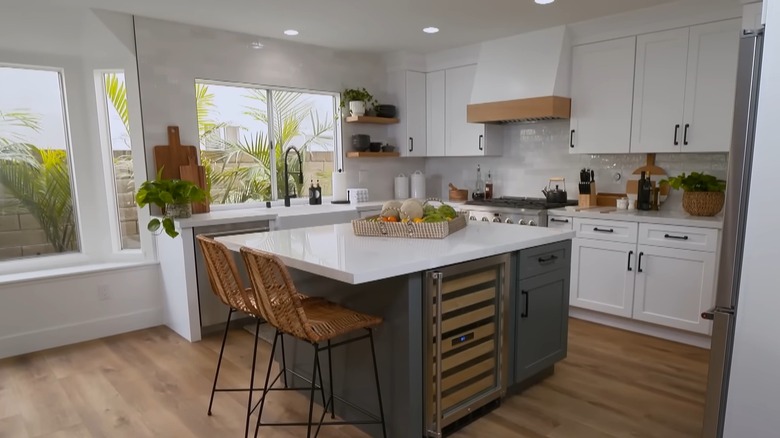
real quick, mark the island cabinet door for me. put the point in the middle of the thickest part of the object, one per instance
(602, 276)
(541, 323)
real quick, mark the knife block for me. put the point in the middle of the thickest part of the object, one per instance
(589, 200)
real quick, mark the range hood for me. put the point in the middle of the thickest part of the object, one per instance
(523, 78)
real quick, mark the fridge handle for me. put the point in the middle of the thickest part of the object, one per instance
(438, 277)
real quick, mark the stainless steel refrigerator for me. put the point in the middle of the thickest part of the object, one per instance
(725, 312)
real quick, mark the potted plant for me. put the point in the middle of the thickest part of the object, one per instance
(173, 196)
(358, 99)
(704, 195)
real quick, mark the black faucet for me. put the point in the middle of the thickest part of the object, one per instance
(287, 174)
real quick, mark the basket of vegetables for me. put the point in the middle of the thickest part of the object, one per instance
(429, 219)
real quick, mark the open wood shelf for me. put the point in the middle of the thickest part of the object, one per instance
(373, 154)
(371, 119)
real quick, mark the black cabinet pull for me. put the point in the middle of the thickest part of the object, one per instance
(571, 139)
(601, 230)
(481, 137)
(669, 236)
(676, 134)
(685, 134)
(543, 260)
(524, 314)
(565, 221)
(639, 263)
(630, 253)
(411, 144)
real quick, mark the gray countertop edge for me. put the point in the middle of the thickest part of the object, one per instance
(652, 217)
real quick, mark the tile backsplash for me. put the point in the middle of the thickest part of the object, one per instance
(535, 152)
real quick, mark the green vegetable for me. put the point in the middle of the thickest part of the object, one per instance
(447, 211)
(434, 218)
(429, 210)
(696, 182)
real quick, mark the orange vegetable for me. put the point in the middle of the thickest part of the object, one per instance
(391, 219)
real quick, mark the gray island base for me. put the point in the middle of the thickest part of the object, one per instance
(501, 293)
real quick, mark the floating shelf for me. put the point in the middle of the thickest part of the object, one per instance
(371, 119)
(373, 154)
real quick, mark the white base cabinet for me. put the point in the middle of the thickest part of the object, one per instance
(668, 282)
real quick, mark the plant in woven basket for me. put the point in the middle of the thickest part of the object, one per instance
(703, 194)
(173, 196)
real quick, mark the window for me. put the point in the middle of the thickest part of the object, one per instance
(37, 213)
(117, 124)
(244, 131)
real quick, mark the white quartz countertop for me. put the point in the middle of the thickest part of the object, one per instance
(663, 217)
(335, 252)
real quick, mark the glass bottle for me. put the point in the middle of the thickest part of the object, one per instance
(479, 190)
(312, 194)
(489, 187)
(318, 193)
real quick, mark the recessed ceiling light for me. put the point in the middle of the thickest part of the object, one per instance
(543, 2)
(291, 32)
(257, 45)
(431, 29)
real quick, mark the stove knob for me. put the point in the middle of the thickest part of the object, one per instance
(532, 223)
(508, 221)
(472, 218)
(484, 219)
(497, 219)
(521, 222)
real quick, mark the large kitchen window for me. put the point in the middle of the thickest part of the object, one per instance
(37, 213)
(245, 130)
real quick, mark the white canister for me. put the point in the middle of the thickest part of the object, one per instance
(418, 185)
(402, 187)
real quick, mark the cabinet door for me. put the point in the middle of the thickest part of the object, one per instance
(435, 102)
(462, 138)
(659, 91)
(416, 131)
(674, 286)
(542, 321)
(602, 276)
(602, 92)
(709, 94)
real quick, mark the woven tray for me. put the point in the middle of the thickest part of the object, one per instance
(423, 230)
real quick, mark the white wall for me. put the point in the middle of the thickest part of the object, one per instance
(171, 56)
(753, 401)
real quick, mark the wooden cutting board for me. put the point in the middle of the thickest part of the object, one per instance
(197, 175)
(656, 175)
(172, 156)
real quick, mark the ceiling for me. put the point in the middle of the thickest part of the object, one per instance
(375, 25)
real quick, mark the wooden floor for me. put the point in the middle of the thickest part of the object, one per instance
(152, 383)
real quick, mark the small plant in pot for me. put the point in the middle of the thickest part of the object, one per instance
(173, 196)
(704, 195)
(359, 100)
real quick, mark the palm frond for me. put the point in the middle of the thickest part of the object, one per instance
(15, 124)
(116, 92)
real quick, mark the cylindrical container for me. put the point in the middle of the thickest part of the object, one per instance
(402, 187)
(418, 185)
(340, 186)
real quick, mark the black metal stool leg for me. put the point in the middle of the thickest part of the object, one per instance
(219, 361)
(267, 378)
(284, 359)
(314, 374)
(330, 376)
(251, 381)
(376, 376)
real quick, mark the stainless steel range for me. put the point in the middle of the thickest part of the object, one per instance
(513, 210)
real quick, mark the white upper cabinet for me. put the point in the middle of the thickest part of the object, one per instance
(659, 91)
(463, 139)
(684, 89)
(436, 107)
(711, 84)
(602, 92)
(411, 133)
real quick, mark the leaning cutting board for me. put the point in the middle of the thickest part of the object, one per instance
(195, 174)
(172, 156)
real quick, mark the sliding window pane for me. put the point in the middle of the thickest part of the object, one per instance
(37, 214)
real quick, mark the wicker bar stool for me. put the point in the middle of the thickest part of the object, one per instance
(227, 286)
(314, 322)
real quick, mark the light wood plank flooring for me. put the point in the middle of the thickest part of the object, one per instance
(152, 383)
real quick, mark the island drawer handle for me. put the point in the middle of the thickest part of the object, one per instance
(670, 236)
(524, 314)
(543, 260)
(601, 230)
(565, 221)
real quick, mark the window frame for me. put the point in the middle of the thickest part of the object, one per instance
(31, 263)
(269, 89)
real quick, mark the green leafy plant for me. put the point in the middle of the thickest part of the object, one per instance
(358, 94)
(162, 192)
(696, 182)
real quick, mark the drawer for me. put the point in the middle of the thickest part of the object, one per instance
(670, 236)
(560, 222)
(544, 259)
(615, 231)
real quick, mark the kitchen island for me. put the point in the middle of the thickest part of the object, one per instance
(476, 272)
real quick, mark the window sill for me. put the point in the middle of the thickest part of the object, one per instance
(46, 274)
